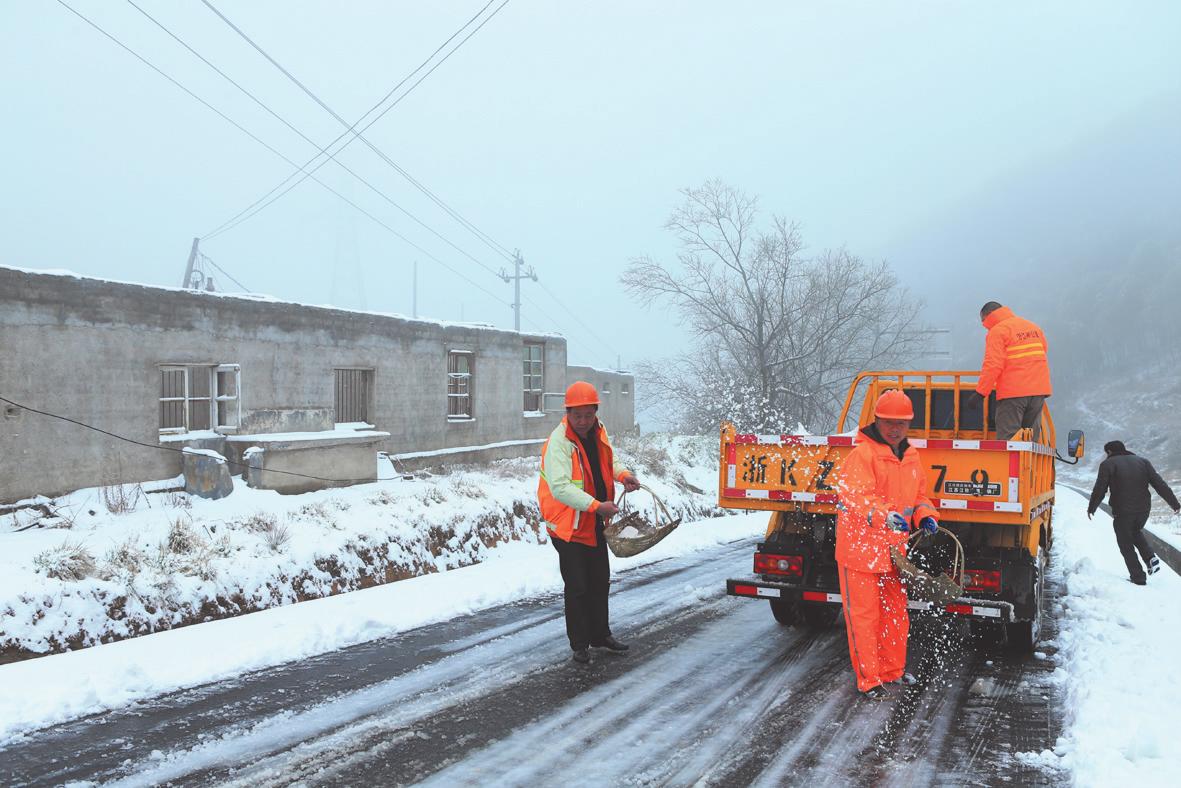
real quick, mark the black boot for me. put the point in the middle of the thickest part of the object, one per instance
(581, 655)
(611, 644)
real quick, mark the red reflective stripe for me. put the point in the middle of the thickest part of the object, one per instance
(982, 506)
(746, 439)
(840, 440)
(746, 590)
(966, 609)
(731, 454)
(826, 498)
(733, 492)
(815, 596)
(994, 445)
(939, 443)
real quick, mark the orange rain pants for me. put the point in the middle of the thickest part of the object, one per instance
(877, 625)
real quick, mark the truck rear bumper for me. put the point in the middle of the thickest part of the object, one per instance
(755, 588)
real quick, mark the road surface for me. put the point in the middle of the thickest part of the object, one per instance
(714, 692)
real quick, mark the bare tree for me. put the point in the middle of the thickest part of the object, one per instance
(778, 336)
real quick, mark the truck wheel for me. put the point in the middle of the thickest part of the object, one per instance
(786, 611)
(819, 616)
(1024, 635)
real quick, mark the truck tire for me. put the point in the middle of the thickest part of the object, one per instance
(786, 611)
(1024, 635)
(819, 617)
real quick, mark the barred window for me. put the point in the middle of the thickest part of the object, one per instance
(533, 377)
(354, 395)
(624, 388)
(459, 385)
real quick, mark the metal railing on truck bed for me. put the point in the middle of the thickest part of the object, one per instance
(971, 476)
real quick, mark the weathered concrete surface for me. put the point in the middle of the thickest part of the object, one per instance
(291, 468)
(91, 349)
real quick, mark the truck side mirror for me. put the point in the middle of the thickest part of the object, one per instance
(1076, 443)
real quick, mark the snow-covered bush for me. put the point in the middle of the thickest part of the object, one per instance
(70, 561)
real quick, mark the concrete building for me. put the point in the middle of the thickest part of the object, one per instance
(174, 368)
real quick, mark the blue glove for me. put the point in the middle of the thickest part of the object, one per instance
(897, 522)
(929, 526)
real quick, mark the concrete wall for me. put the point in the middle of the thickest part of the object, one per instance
(617, 393)
(90, 350)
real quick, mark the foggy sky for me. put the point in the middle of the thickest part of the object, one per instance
(562, 128)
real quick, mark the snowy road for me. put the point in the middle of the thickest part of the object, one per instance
(714, 692)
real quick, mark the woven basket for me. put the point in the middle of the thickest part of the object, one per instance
(629, 533)
(939, 589)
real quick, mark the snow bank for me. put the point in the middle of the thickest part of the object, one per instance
(119, 563)
(1119, 644)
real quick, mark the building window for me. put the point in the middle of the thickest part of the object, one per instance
(199, 397)
(459, 385)
(606, 387)
(354, 395)
(533, 376)
(624, 388)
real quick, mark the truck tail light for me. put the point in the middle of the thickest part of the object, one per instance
(982, 580)
(771, 564)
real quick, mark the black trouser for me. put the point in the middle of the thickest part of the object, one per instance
(587, 575)
(1129, 535)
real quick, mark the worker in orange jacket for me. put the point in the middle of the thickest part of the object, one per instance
(576, 493)
(882, 500)
(1015, 363)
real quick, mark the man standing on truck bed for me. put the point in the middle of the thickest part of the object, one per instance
(1015, 363)
(576, 493)
(1128, 477)
(882, 499)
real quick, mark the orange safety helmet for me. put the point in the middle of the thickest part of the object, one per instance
(581, 393)
(893, 404)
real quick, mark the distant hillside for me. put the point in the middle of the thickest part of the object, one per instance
(1087, 243)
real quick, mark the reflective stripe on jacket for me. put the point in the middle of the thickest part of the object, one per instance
(874, 482)
(1015, 360)
(567, 506)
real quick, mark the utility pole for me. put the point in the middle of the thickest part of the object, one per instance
(188, 282)
(414, 301)
(516, 278)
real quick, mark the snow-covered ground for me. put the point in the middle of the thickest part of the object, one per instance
(1118, 643)
(120, 562)
(38, 692)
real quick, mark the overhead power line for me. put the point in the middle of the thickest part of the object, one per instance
(210, 260)
(480, 234)
(305, 137)
(261, 142)
(303, 173)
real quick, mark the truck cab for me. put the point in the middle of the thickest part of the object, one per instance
(996, 496)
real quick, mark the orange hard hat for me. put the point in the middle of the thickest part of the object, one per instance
(581, 393)
(893, 404)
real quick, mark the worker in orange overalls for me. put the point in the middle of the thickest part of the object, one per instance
(1015, 362)
(882, 500)
(576, 494)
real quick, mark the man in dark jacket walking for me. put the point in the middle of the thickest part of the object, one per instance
(1128, 477)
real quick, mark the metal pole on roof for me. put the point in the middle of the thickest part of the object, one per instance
(188, 282)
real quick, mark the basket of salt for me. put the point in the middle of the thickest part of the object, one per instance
(939, 589)
(631, 533)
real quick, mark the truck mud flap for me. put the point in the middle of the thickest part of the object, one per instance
(754, 588)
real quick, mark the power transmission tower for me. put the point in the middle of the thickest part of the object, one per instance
(516, 278)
